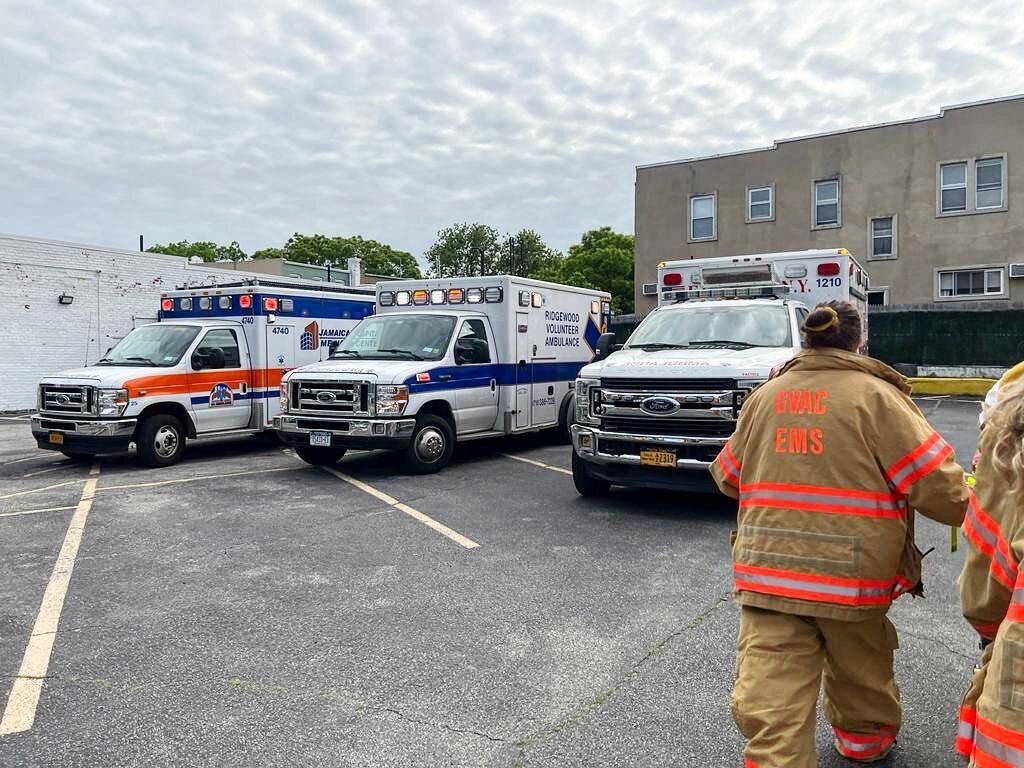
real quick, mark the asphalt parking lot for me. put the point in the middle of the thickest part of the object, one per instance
(243, 609)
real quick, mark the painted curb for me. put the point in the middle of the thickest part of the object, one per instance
(937, 386)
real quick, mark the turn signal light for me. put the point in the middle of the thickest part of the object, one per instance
(672, 278)
(828, 269)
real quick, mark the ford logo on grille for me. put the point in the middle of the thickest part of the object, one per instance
(659, 406)
(63, 399)
(326, 397)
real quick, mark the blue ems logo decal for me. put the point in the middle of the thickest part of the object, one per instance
(221, 395)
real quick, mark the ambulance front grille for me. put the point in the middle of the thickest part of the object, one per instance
(65, 399)
(343, 398)
(667, 386)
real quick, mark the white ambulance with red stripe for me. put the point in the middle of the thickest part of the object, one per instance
(210, 367)
(656, 411)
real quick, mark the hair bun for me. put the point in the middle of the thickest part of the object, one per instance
(821, 319)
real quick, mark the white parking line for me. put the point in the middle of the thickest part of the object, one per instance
(444, 530)
(44, 471)
(536, 463)
(193, 479)
(35, 511)
(44, 488)
(39, 455)
(23, 699)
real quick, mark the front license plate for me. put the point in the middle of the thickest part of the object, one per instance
(320, 439)
(57, 438)
(657, 457)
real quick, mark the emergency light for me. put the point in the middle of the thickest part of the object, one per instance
(419, 298)
(672, 278)
(167, 305)
(224, 302)
(456, 295)
(386, 298)
(828, 269)
(493, 295)
(437, 296)
(185, 304)
(402, 298)
(269, 304)
(474, 295)
(205, 302)
(287, 305)
(245, 301)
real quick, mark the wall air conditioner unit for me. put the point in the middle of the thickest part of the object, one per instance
(1017, 270)
(651, 289)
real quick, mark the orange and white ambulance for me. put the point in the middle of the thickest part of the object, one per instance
(211, 366)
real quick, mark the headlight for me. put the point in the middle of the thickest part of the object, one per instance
(585, 391)
(111, 402)
(392, 399)
(283, 394)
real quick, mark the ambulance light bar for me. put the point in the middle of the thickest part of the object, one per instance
(732, 292)
(738, 275)
(422, 297)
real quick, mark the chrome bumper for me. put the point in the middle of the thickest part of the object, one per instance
(586, 442)
(386, 429)
(116, 428)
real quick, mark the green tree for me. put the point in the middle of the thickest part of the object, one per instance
(465, 250)
(528, 255)
(204, 249)
(378, 258)
(603, 259)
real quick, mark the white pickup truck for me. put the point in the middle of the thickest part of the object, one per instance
(656, 411)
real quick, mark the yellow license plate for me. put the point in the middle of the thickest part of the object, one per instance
(657, 458)
(57, 438)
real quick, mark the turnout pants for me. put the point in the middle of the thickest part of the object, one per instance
(782, 662)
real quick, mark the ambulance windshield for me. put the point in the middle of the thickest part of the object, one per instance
(156, 345)
(399, 337)
(714, 326)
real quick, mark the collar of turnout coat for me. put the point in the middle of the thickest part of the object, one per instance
(831, 359)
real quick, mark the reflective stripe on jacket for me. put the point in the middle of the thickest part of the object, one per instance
(826, 462)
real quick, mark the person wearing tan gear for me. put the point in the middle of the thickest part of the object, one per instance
(829, 461)
(991, 731)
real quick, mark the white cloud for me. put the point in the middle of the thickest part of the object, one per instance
(252, 120)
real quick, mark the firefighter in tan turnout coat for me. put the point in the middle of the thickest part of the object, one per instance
(991, 731)
(829, 461)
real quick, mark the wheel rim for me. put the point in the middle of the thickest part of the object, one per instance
(165, 442)
(430, 445)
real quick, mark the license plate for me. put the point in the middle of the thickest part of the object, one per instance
(657, 457)
(320, 439)
(57, 438)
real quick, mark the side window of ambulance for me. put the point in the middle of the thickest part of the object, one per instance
(471, 344)
(218, 349)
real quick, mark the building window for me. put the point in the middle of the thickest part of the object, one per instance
(971, 283)
(971, 186)
(953, 182)
(826, 203)
(878, 297)
(760, 203)
(988, 186)
(702, 217)
(882, 237)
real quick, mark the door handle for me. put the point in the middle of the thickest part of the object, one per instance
(494, 383)
(242, 387)
(522, 363)
(444, 377)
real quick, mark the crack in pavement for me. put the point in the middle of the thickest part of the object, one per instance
(939, 643)
(444, 726)
(597, 702)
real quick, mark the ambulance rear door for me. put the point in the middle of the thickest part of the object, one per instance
(282, 339)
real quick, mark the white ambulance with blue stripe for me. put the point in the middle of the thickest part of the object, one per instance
(210, 367)
(443, 361)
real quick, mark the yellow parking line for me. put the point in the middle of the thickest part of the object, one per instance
(23, 699)
(35, 511)
(44, 488)
(192, 479)
(444, 530)
(536, 463)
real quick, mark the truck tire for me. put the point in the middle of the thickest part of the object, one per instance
(563, 435)
(432, 446)
(585, 484)
(319, 457)
(160, 440)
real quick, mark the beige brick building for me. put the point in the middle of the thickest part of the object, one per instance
(933, 207)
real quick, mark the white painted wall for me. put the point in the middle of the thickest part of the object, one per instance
(114, 290)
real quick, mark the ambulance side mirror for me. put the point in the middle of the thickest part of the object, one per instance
(605, 346)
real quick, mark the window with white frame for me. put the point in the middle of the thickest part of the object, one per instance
(878, 297)
(826, 203)
(882, 231)
(971, 186)
(988, 183)
(760, 203)
(702, 217)
(953, 187)
(972, 282)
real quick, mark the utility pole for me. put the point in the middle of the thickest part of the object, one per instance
(512, 255)
(141, 246)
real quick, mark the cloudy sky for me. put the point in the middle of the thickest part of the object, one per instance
(251, 120)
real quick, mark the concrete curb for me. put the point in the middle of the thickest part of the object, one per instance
(941, 386)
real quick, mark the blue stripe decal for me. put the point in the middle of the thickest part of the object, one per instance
(303, 306)
(504, 374)
(252, 394)
(591, 334)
